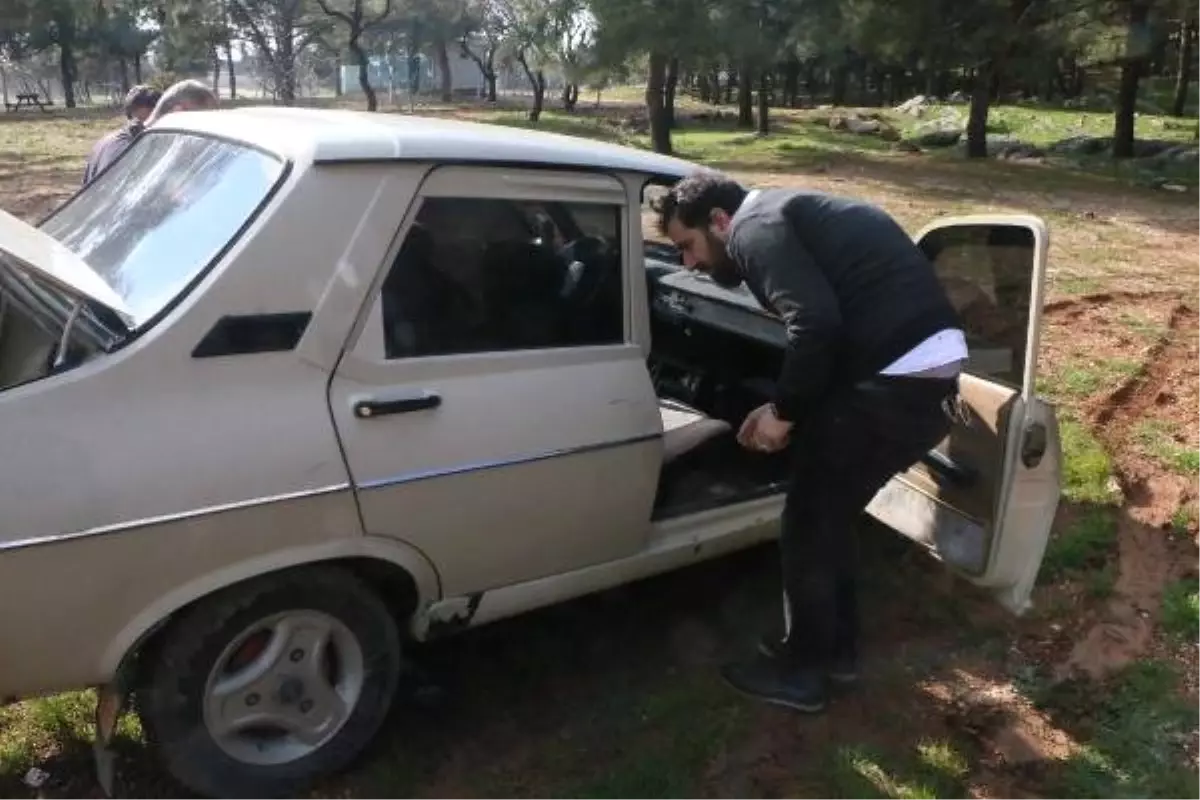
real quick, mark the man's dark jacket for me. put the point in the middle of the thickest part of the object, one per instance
(854, 291)
(110, 146)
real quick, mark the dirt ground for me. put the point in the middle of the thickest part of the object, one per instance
(616, 695)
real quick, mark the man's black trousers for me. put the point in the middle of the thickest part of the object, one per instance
(856, 439)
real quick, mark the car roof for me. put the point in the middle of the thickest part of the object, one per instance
(329, 136)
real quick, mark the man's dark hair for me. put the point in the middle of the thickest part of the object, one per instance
(693, 199)
(141, 96)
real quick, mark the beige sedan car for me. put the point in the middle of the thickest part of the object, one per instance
(284, 390)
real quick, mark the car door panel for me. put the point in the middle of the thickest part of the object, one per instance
(984, 498)
(501, 466)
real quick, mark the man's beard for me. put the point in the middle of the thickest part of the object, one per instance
(723, 270)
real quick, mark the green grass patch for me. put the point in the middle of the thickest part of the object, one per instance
(931, 769)
(1181, 609)
(1184, 520)
(1156, 439)
(1083, 378)
(1134, 730)
(1142, 325)
(1087, 468)
(1087, 543)
(43, 727)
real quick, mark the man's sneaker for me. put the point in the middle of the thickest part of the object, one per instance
(843, 670)
(768, 680)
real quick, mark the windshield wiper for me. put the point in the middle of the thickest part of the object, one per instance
(61, 354)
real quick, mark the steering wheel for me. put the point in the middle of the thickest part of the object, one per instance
(586, 258)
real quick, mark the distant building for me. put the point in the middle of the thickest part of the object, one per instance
(387, 73)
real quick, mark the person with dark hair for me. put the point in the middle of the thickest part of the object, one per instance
(140, 102)
(868, 384)
(144, 107)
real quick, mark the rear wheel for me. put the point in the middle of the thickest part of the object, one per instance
(267, 686)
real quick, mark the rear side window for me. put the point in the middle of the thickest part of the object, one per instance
(152, 223)
(987, 270)
(481, 275)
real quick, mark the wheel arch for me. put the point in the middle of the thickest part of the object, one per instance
(400, 573)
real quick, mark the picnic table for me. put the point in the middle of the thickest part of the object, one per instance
(28, 100)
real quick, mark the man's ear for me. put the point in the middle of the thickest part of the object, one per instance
(718, 219)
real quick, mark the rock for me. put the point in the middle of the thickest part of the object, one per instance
(1177, 154)
(1082, 145)
(837, 122)
(1174, 187)
(914, 105)
(904, 146)
(938, 137)
(862, 126)
(889, 134)
(957, 97)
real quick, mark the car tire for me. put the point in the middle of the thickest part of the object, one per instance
(193, 683)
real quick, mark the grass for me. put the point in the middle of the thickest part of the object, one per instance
(1156, 440)
(1087, 543)
(928, 769)
(1087, 471)
(1086, 377)
(1181, 610)
(1136, 726)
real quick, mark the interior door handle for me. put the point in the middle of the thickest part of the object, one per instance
(369, 408)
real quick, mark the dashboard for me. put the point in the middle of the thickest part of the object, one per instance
(685, 298)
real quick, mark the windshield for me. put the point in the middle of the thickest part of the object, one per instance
(151, 224)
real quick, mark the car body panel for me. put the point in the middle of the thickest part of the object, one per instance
(137, 502)
(557, 449)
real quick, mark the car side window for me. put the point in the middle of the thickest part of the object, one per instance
(987, 271)
(494, 275)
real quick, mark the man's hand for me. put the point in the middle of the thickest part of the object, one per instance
(763, 431)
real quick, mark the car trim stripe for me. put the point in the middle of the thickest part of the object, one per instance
(477, 466)
(122, 527)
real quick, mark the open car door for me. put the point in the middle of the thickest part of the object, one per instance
(985, 498)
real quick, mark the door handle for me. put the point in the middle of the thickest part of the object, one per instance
(369, 408)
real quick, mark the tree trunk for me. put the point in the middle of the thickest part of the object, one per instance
(229, 70)
(443, 60)
(745, 97)
(490, 78)
(215, 60)
(671, 84)
(123, 64)
(538, 82)
(978, 115)
(66, 65)
(764, 105)
(364, 73)
(570, 96)
(704, 87)
(285, 71)
(791, 82)
(839, 85)
(1183, 75)
(656, 79)
(1131, 74)
(731, 78)
(137, 68)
